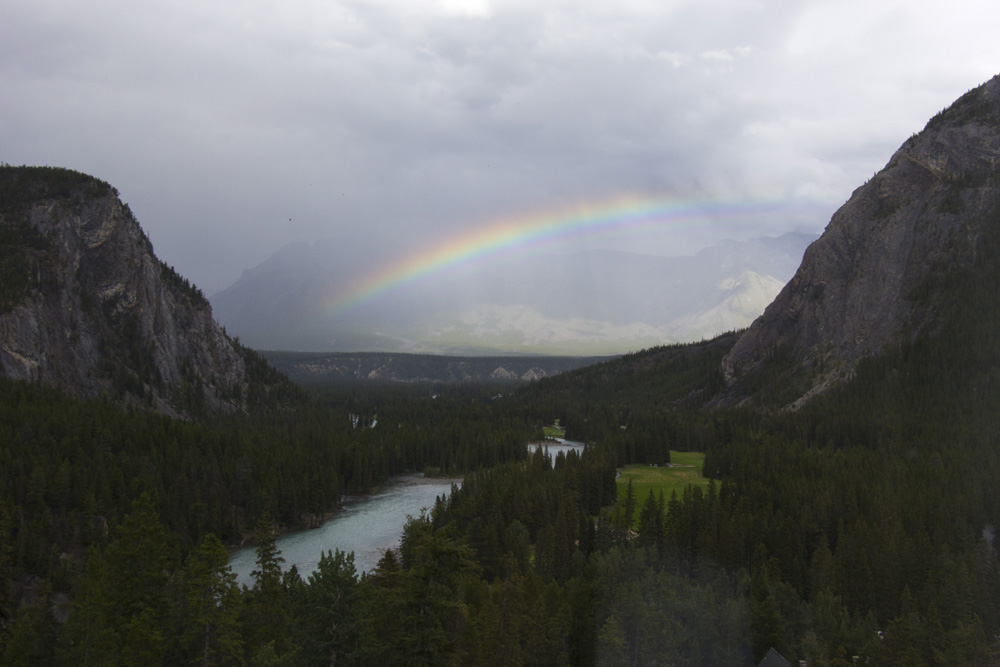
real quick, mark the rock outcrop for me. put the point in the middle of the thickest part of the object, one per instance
(94, 312)
(868, 281)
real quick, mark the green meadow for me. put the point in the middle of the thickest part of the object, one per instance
(685, 469)
(554, 431)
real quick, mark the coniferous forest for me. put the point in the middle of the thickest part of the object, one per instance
(862, 524)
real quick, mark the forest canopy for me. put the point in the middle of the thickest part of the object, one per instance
(862, 524)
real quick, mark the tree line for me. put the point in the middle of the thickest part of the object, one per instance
(863, 524)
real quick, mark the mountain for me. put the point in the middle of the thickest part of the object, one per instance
(87, 307)
(585, 303)
(884, 271)
(910, 262)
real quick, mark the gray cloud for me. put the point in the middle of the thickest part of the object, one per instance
(233, 128)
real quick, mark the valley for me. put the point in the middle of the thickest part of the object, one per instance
(835, 491)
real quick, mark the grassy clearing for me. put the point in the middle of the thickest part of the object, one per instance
(686, 470)
(554, 431)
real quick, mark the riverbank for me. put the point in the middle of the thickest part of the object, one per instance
(366, 525)
(309, 522)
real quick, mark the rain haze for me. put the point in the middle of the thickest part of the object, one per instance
(232, 129)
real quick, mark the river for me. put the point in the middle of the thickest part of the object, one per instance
(366, 525)
(559, 445)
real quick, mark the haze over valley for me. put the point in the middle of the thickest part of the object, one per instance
(590, 302)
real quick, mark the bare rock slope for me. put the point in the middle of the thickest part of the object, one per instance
(868, 281)
(87, 306)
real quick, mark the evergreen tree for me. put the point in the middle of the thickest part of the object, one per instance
(649, 523)
(88, 639)
(328, 615)
(211, 607)
(29, 641)
(422, 602)
(266, 618)
(5, 563)
(628, 513)
(765, 620)
(138, 565)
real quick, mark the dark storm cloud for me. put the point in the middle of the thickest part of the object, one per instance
(233, 128)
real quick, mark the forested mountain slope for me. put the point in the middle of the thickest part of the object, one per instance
(86, 306)
(660, 378)
(864, 522)
(861, 524)
(878, 276)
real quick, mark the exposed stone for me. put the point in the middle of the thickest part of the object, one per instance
(501, 373)
(105, 315)
(859, 286)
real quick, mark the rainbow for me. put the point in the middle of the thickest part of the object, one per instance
(531, 232)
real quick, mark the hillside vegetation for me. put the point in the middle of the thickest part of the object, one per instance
(851, 509)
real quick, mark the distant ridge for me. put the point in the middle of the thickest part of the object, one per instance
(337, 367)
(582, 304)
(87, 307)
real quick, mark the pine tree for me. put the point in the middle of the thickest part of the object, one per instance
(628, 513)
(138, 569)
(211, 606)
(765, 620)
(88, 639)
(649, 523)
(426, 607)
(6, 575)
(328, 618)
(265, 612)
(29, 640)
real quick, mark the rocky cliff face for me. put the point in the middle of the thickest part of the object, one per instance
(869, 280)
(91, 309)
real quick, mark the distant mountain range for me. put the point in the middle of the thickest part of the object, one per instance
(326, 368)
(85, 305)
(587, 303)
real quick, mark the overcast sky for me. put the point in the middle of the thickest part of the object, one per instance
(233, 128)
